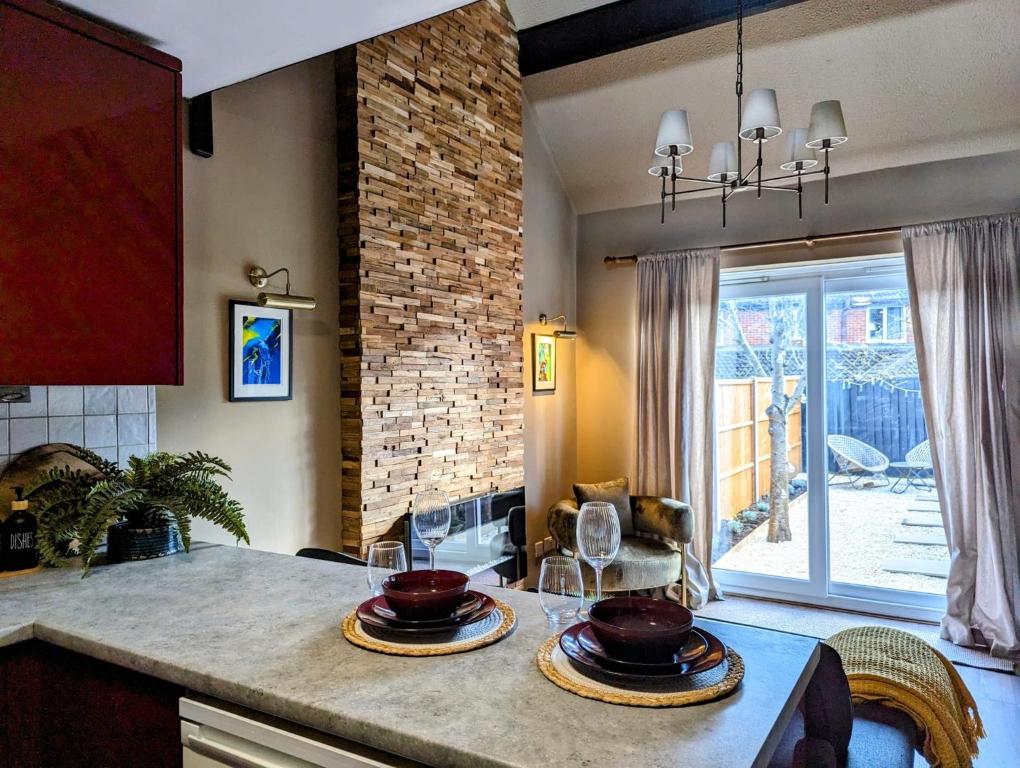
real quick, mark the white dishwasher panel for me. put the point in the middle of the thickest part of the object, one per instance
(212, 737)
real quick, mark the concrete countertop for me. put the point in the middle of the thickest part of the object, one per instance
(262, 630)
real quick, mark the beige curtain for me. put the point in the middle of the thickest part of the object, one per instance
(678, 301)
(965, 297)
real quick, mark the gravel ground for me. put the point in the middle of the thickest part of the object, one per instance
(862, 526)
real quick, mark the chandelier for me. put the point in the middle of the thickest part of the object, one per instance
(757, 122)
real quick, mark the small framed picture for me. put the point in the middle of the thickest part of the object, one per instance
(261, 352)
(543, 362)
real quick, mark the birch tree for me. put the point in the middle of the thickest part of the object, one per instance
(786, 317)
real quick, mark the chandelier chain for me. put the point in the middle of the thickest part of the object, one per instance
(740, 47)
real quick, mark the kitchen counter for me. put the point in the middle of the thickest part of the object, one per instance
(262, 630)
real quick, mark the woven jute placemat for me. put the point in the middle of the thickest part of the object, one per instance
(491, 629)
(696, 689)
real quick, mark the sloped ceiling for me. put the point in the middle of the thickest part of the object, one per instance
(531, 13)
(920, 80)
(221, 42)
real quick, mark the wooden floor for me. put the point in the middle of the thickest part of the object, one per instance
(998, 700)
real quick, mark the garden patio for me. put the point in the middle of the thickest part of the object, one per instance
(874, 541)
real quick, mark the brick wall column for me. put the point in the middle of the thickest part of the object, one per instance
(431, 271)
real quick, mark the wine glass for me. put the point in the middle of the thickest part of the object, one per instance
(598, 538)
(384, 559)
(560, 589)
(430, 516)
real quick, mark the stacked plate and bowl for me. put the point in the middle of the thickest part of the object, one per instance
(423, 603)
(640, 642)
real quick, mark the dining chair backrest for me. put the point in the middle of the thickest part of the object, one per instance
(330, 555)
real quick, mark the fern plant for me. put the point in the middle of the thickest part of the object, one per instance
(75, 507)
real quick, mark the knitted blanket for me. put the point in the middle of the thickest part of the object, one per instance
(901, 671)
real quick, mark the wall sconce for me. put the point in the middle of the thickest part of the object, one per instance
(565, 334)
(259, 277)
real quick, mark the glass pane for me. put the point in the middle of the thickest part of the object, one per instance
(885, 529)
(761, 431)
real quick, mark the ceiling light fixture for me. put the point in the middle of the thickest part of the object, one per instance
(258, 277)
(757, 122)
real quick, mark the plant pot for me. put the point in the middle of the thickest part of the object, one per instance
(124, 543)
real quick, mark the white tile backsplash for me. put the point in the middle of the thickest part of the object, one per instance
(36, 407)
(28, 433)
(132, 399)
(100, 431)
(66, 401)
(124, 452)
(100, 400)
(132, 428)
(67, 429)
(104, 419)
(109, 453)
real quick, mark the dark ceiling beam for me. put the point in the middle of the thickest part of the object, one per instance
(621, 25)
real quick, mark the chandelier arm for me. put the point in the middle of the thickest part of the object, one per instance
(795, 175)
(748, 187)
(746, 176)
(704, 181)
(692, 191)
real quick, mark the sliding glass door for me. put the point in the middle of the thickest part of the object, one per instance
(824, 490)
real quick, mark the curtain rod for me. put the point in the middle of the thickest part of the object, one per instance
(809, 241)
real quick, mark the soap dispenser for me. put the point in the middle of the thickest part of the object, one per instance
(18, 533)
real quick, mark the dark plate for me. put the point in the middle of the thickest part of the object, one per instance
(470, 602)
(697, 646)
(591, 666)
(368, 616)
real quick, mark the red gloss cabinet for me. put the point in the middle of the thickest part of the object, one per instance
(91, 271)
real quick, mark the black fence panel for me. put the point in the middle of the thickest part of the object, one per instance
(890, 419)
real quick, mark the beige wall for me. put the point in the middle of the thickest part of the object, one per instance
(607, 296)
(550, 435)
(267, 196)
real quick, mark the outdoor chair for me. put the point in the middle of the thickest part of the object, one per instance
(857, 460)
(915, 471)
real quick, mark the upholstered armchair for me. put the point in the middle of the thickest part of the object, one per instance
(654, 556)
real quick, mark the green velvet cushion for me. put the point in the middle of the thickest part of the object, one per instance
(616, 492)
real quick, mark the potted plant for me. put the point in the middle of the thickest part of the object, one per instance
(145, 511)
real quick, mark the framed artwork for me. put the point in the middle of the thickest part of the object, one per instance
(261, 352)
(543, 362)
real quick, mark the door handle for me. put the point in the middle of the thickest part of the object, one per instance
(225, 755)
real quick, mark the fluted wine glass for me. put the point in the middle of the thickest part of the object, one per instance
(430, 516)
(598, 538)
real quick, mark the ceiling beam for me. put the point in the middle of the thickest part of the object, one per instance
(621, 25)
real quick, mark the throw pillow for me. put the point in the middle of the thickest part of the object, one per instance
(616, 492)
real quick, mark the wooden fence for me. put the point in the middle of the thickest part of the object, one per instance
(743, 445)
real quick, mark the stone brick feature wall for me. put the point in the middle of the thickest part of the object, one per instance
(430, 195)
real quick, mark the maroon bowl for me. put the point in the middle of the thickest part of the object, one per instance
(640, 628)
(418, 595)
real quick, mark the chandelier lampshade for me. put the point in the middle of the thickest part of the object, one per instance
(761, 111)
(797, 151)
(722, 166)
(826, 125)
(674, 137)
(663, 166)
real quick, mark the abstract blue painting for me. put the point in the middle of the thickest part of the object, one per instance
(262, 355)
(261, 352)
